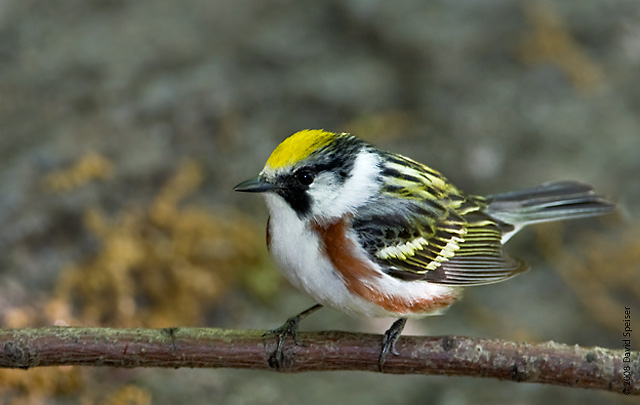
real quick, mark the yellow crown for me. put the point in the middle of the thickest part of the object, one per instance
(298, 146)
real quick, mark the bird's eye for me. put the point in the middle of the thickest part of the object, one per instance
(304, 177)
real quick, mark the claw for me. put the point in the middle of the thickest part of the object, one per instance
(289, 328)
(389, 340)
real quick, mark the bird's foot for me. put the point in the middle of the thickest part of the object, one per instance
(290, 328)
(389, 340)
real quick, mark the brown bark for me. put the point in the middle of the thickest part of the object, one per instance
(548, 363)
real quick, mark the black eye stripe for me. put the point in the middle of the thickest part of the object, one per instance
(295, 193)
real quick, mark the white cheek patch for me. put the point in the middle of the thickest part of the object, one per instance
(330, 199)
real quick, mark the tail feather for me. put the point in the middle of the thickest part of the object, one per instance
(548, 202)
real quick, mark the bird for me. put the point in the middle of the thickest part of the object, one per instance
(373, 233)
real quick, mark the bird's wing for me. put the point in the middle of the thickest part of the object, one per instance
(434, 233)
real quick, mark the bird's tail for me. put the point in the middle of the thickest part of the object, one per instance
(548, 202)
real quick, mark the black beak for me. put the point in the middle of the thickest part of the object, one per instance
(255, 185)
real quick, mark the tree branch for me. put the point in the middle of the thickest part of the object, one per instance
(548, 363)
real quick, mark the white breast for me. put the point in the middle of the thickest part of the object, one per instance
(297, 252)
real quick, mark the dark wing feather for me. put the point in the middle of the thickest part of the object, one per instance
(434, 233)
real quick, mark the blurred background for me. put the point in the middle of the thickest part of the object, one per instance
(124, 126)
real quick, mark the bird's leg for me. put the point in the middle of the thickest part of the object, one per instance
(389, 340)
(289, 328)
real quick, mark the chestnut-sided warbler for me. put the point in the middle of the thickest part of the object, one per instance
(374, 233)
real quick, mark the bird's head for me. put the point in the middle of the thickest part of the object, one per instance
(319, 174)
